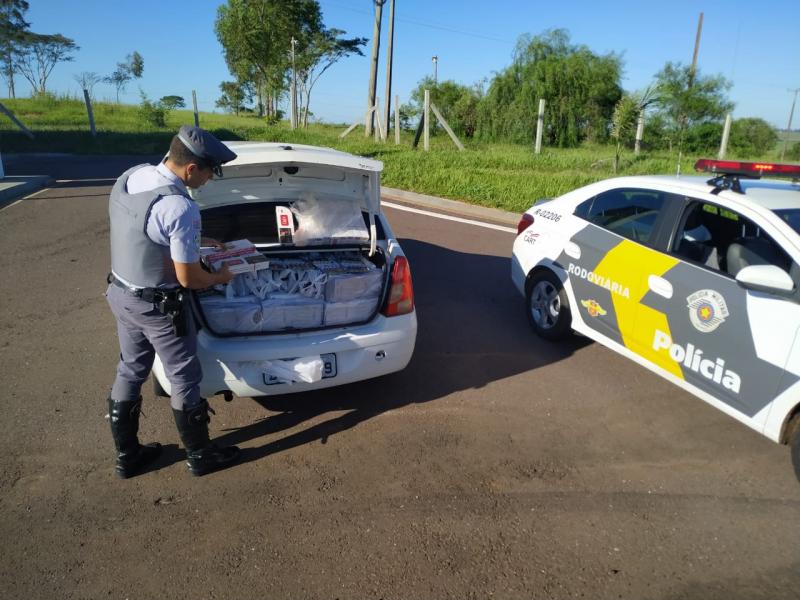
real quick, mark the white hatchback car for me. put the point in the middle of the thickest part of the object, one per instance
(696, 279)
(337, 288)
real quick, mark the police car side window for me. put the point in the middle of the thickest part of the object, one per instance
(628, 212)
(720, 239)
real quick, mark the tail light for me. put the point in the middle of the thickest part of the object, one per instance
(401, 292)
(525, 221)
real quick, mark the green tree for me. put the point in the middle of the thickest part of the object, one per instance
(793, 153)
(322, 50)
(686, 99)
(233, 96)
(13, 29)
(457, 103)
(39, 56)
(135, 64)
(256, 38)
(172, 102)
(626, 117)
(580, 89)
(87, 80)
(132, 68)
(152, 113)
(752, 136)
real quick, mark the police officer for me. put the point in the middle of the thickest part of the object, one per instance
(155, 257)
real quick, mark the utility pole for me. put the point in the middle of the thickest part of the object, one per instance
(373, 73)
(683, 119)
(789, 126)
(388, 108)
(435, 60)
(294, 88)
(696, 50)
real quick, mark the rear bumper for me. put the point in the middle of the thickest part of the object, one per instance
(236, 364)
(518, 274)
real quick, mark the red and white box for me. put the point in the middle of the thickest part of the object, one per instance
(241, 256)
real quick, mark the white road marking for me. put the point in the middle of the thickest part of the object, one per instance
(112, 179)
(449, 218)
(44, 189)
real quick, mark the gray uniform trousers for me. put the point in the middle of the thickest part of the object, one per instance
(143, 332)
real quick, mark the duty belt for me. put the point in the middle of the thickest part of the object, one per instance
(147, 294)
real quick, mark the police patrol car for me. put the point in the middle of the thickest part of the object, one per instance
(696, 279)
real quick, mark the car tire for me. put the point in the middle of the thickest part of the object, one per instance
(158, 391)
(794, 444)
(548, 307)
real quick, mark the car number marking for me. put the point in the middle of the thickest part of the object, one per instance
(547, 214)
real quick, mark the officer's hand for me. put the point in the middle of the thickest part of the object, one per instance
(206, 241)
(224, 274)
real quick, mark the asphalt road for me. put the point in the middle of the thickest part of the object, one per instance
(495, 465)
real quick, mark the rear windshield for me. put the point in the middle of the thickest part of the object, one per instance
(791, 216)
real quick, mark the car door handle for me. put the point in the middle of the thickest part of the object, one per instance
(572, 250)
(660, 286)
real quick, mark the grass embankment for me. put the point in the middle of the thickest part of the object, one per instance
(506, 176)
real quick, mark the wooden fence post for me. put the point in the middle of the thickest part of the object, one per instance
(16, 121)
(396, 120)
(539, 127)
(89, 111)
(637, 146)
(726, 132)
(449, 131)
(196, 115)
(426, 137)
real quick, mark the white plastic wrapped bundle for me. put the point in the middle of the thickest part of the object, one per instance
(353, 311)
(240, 315)
(329, 221)
(350, 286)
(290, 311)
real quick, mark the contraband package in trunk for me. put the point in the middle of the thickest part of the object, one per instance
(241, 256)
(296, 291)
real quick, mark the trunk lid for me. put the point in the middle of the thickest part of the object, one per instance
(287, 173)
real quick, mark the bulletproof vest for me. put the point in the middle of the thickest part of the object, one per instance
(134, 256)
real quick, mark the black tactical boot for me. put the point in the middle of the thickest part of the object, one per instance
(202, 455)
(131, 455)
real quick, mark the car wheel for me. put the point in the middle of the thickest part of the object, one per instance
(794, 444)
(548, 306)
(157, 389)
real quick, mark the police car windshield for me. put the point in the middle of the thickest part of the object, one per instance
(791, 216)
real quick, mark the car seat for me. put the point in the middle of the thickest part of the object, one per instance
(696, 242)
(748, 251)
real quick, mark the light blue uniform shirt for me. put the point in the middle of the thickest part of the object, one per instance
(174, 220)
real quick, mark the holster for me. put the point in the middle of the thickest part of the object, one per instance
(174, 304)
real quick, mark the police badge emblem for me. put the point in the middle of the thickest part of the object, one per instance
(707, 310)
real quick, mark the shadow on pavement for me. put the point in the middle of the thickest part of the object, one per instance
(472, 331)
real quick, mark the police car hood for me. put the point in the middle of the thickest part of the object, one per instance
(273, 172)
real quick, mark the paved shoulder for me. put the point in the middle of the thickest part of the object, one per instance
(13, 188)
(480, 213)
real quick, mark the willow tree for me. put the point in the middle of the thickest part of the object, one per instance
(580, 89)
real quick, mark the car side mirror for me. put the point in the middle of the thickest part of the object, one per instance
(765, 278)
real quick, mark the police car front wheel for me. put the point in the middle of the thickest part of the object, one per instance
(548, 306)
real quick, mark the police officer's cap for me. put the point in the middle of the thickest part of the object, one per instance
(205, 146)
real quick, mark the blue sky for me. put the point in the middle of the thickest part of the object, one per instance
(756, 45)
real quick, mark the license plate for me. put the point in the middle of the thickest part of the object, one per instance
(328, 370)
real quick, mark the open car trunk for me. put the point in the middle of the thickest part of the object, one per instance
(298, 291)
(316, 228)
